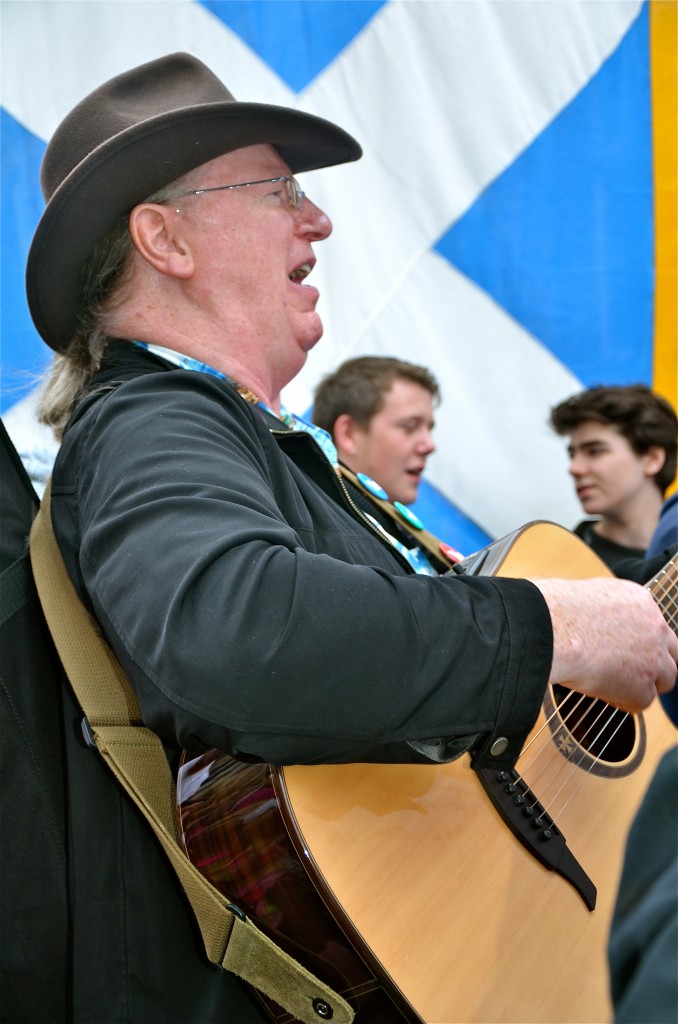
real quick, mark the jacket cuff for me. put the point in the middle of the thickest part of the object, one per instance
(528, 669)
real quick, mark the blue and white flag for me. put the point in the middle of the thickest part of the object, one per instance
(500, 227)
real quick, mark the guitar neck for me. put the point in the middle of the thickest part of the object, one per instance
(663, 589)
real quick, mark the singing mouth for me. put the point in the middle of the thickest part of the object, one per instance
(298, 275)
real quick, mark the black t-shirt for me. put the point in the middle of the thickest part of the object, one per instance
(610, 552)
(626, 562)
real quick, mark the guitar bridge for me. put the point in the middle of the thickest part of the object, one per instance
(536, 830)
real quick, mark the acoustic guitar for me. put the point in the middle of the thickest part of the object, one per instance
(437, 893)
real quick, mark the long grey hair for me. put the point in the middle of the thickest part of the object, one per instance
(104, 280)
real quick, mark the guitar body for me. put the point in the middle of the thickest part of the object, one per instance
(404, 887)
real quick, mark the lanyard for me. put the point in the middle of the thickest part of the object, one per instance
(415, 556)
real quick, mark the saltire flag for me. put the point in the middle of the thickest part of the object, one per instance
(511, 224)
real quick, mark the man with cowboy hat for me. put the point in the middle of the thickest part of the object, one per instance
(254, 607)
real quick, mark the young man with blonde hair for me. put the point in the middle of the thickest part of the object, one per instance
(379, 411)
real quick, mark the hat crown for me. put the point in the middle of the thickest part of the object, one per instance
(129, 100)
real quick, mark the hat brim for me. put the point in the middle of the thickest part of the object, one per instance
(137, 162)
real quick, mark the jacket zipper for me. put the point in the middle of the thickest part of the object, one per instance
(376, 529)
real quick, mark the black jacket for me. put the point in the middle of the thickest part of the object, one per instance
(249, 603)
(254, 610)
(643, 945)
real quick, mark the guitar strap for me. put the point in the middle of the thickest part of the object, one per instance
(443, 553)
(137, 759)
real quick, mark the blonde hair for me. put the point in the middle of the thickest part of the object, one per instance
(359, 386)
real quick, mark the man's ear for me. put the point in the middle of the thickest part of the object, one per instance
(654, 458)
(157, 231)
(345, 434)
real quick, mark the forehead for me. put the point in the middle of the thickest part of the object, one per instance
(406, 395)
(591, 432)
(249, 162)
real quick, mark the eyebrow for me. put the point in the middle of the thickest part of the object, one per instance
(416, 419)
(585, 445)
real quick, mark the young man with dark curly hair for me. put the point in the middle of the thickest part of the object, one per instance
(622, 450)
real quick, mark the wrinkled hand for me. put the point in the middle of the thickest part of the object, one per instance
(610, 641)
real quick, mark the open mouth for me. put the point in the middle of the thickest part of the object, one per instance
(298, 275)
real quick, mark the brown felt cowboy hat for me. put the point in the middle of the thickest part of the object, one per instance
(128, 138)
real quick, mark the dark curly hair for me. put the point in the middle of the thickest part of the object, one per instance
(640, 415)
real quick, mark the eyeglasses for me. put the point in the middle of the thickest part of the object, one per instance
(294, 192)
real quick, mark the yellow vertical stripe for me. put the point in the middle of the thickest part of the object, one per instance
(664, 78)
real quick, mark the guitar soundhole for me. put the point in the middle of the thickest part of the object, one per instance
(594, 735)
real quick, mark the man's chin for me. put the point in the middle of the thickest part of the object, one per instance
(407, 497)
(590, 508)
(309, 331)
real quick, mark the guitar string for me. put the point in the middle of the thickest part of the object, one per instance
(668, 603)
(547, 747)
(665, 584)
(671, 603)
(571, 765)
(595, 759)
(554, 714)
(558, 713)
(570, 760)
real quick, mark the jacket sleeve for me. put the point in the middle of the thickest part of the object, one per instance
(198, 552)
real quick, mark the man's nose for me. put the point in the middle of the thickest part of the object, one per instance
(426, 443)
(576, 467)
(312, 222)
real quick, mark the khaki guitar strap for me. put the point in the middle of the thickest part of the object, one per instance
(137, 759)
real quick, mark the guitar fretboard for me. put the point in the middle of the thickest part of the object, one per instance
(663, 589)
